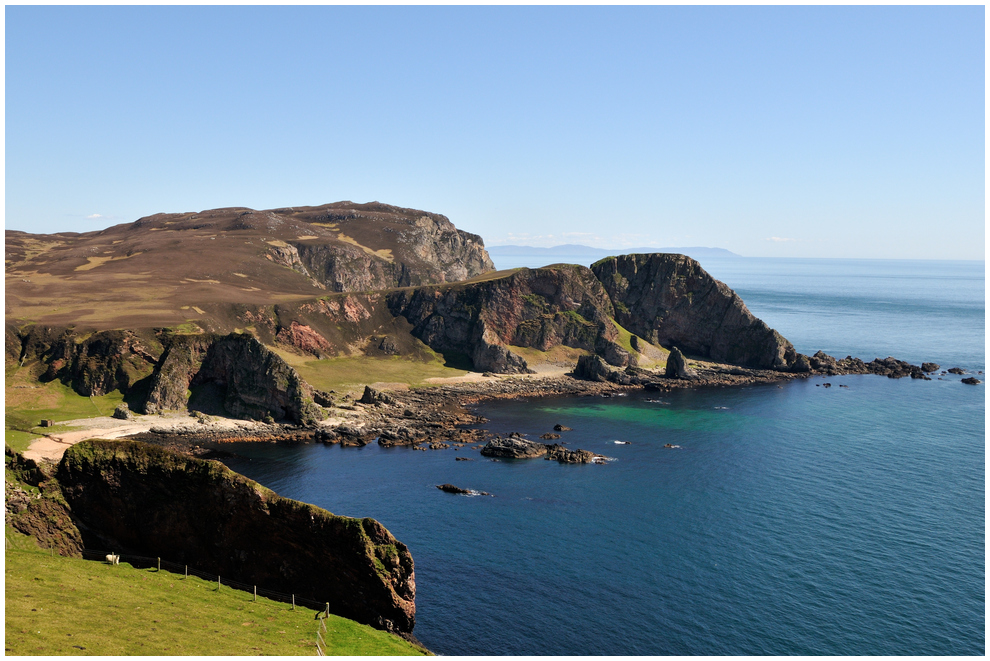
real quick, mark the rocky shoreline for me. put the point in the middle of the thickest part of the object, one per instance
(438, 417)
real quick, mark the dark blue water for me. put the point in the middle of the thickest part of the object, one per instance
(792, 520)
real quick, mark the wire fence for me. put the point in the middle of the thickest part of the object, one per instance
(145, 562)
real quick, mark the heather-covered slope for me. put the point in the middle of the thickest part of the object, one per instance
(165, 269)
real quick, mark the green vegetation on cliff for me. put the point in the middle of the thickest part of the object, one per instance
(67, 606)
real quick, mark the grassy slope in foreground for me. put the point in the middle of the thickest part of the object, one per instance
(59, 605)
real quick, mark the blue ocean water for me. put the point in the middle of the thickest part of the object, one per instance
(792, 520)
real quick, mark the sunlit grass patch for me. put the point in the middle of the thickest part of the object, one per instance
(65, 606)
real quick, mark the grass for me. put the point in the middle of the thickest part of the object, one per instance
(65, 606)
(351, 373)
(625, 341)
(558, 355)
(28, 401)
(18, 440)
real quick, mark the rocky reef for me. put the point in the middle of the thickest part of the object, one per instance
(670, 300)
(142, 499)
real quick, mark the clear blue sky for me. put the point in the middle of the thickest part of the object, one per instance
(778, 131)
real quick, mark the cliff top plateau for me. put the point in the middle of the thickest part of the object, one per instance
(158, 270)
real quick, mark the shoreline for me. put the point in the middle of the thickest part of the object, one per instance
(434, 417)
(428, 417)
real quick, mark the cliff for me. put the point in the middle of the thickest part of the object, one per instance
(254, 381)
(538, 308)
(141, 499)
(670, 300)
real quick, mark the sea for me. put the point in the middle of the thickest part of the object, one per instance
(796, 518)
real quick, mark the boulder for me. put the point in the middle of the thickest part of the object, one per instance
(376, 397)
(929, 367)
(677, 366)
(972, 381)
(513, 447)
(560, 427)
(122, 412)
(956, 370)
(592, 368)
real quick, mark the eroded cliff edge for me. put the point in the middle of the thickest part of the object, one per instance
(137, 498)
(670, 300)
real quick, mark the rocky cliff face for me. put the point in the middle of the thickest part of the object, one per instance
(255, 381)
(93, 364)
(539, 308)
(670, 300)
(145, 500)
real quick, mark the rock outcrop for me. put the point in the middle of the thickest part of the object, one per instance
(513, 447)
(677, 367)
(670, 300)
(537, 308)
(91, 364)
(255, 382)
(142, 499)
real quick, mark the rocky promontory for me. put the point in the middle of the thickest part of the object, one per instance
(670, 300)
(136, 498)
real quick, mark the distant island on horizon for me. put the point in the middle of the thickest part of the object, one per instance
(574, 249)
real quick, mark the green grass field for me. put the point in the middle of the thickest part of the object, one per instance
(65, 606)
(350, 374)
(29, 400)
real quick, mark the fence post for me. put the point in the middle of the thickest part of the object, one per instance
(293, 602)
(327, 611)
(218, 582)
(255, 593)
(187, 571)
(159, 564)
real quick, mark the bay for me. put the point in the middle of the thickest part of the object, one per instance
(796, 519)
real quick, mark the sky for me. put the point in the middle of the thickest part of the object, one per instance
(769, 131)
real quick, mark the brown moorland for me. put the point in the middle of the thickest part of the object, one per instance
(170, 269)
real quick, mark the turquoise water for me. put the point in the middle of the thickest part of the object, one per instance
(793, 520)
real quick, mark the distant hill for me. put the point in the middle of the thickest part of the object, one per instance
(528, 256)
(574, 249)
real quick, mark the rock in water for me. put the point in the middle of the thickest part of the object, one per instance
(559, 427)
(677, 366)
(929, 367)
(956, 370)
(513, 448)
(972, 381)
(450, 488)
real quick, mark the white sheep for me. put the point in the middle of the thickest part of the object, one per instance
(113, 559)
